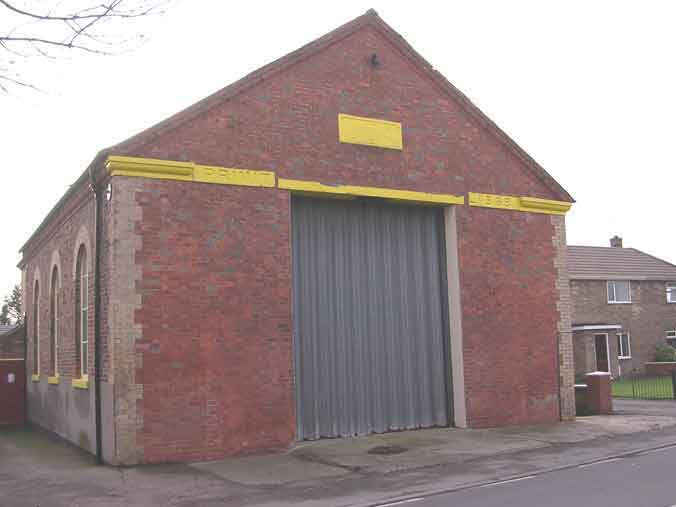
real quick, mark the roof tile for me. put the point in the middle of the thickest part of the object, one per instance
(608, 263)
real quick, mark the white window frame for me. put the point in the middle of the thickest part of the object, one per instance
(670, 335)
(614, 301)
(671, 295)
(56, 330)
(84, 318)
(619, 345)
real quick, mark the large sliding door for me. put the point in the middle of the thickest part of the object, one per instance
(369, 317)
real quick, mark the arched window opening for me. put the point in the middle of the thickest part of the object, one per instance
(54, 323)
(36, 328)
(82, 313)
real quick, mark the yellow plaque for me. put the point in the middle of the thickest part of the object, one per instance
(369, 132)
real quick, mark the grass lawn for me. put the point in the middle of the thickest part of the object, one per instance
(644, 388)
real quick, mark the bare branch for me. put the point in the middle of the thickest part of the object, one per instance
(89, 13)
(17, 82)
(65, 45)
(53, 30)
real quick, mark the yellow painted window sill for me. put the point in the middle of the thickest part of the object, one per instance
(35, 377)
(53, 380)
(81, 383)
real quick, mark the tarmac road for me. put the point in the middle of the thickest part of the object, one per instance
(643, 480)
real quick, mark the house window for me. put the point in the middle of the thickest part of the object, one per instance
(81, 313)
(36, 329)
(671, 338)
(619, 291)
(54, 322)
(623, 346)
(671, 292)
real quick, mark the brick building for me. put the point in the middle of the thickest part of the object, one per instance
(12, 374)
(623, 307)
(340, 243)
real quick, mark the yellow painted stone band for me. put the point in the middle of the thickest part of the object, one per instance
(35, 377)
(314, 187)
(53, 380)
(528, 204)
(187, 171)
(80, 383)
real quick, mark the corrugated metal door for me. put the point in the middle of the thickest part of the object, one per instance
(369, 317)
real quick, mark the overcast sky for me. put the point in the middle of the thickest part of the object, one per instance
(587, 88)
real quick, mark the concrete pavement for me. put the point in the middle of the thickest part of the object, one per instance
(408, 450)
(36, 469)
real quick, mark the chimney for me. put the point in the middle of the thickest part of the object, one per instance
(616, 242)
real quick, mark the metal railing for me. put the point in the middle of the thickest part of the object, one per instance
(644, 387)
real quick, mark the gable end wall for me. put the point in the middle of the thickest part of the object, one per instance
(207, 310)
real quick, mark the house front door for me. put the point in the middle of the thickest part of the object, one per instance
(601, 346)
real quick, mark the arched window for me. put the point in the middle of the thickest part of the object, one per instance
(81, 313)
(54, 323)
(36, 328)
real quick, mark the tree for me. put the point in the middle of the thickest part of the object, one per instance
(51, 29)
(4, 315)
(12, 312)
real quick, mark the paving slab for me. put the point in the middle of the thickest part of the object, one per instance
(411, 449)
(269, 469)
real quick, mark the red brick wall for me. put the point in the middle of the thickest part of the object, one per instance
(12, 395)
(215, 287)
(509, 318)
(598, 395)
(217, 351)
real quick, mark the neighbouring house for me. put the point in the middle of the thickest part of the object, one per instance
(12, 341)
(623, 307)
(12, 374)
(339, 244)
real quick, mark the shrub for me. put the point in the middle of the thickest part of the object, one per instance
(665, 353)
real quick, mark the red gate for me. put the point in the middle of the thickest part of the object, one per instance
(12, 391)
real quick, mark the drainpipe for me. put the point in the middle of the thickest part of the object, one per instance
(25, 362)
(97, 315)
